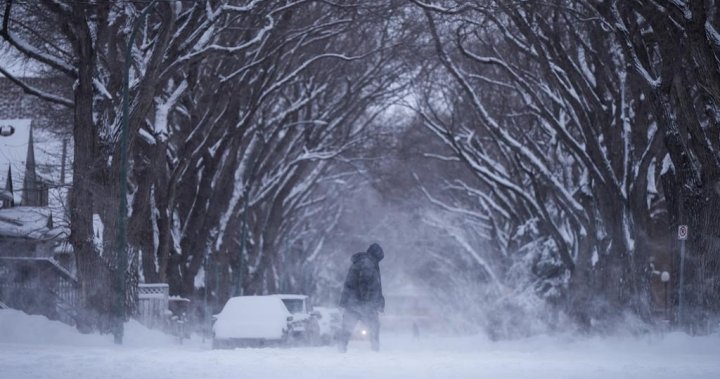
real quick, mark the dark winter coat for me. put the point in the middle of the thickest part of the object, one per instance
(363, 288)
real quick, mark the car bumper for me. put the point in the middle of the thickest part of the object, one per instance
(233, 343)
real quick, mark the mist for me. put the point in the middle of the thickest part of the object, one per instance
(211, 178)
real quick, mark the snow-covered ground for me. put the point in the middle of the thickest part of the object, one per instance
(33, 347)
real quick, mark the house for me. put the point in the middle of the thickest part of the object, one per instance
(37, 265)
(36, 262)
(17, 154)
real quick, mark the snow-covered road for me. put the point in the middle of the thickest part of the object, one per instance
(60, 355)
(400, 358)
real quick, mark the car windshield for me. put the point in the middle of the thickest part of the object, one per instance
(294, 305)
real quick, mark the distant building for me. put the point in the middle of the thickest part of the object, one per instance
(27, 187)
(36, 262)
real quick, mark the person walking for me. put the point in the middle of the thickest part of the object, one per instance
(362, 297)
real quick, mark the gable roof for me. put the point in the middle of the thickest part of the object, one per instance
(47, 155)
(30, 223)
(13, 153)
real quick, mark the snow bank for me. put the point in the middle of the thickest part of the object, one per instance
(137, 335)
(17, 327)
(30, 347)
(670, 356)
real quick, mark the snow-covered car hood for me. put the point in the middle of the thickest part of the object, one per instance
(262, 317)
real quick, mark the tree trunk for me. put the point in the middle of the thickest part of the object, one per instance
(95, 296)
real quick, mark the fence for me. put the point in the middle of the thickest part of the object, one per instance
(39, 286)
(153, 305)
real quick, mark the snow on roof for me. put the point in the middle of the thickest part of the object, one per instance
(48, 163)
(48, 154)
(291, 296)
(29, 222)
(13, 151)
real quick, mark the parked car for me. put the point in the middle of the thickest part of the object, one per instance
(329, 322)
(252, 321)
(303, 327)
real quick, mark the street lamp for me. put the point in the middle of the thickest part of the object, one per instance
(122, 217)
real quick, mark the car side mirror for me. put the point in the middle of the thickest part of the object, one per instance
(290, 318)
(316, 314)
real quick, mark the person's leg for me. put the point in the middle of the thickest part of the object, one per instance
(350, 319)
(372, 321)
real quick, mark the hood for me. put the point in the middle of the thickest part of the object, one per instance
(376, 252)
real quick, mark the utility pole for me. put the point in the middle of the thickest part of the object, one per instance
(665, 278)
(682, 236)
(206, 270)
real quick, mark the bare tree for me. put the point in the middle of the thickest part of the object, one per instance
(547, 116)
